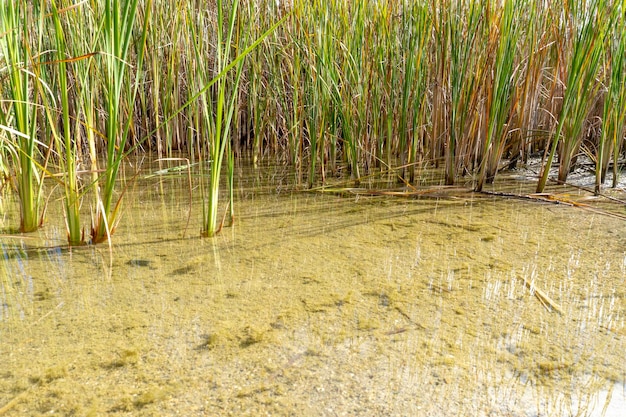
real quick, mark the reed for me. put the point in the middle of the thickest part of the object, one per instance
(219, 108)
(6, 150)
(119, 97)
(502, 80)
(325, 113)
(353, 91)
(416, 25)
(585, 24)
(86, 99)
(531, 85)
(613, 116)
(20, 118)
(220, 105)
(65, 146)
(460, 34)
(169, 77)
(333, 87)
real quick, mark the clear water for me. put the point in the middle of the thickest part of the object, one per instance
(318, 304)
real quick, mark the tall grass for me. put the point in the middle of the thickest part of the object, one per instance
(534, 48)
(19, 112)
(332, 87)
(613, 116)
(416, 26)
(219, 110)
(221, 102)
(119, 97)
(66, 146)
(502, 79)
(584, 24)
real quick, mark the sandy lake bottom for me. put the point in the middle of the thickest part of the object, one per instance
(319, 305)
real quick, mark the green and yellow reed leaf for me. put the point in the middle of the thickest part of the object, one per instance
(502, 80)
(586, 23)
(66, 146)
(611, 141)
(116, 37)
(17, 19)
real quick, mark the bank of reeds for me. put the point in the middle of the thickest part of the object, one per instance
(21, 26)
(339, 87)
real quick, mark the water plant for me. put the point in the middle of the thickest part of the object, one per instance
(66, 147)
(116, 38)
(220, 104)
(500, 94)
(416, 26)
(585, 24)
(339, 88)
(20, 119)
(530, 89)
(219, 109)
(613, 115)
(459, 52)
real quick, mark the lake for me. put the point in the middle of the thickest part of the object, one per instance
(319, 304)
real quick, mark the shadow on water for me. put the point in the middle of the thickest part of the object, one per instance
(315, 304)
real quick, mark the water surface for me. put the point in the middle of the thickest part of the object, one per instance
(318, 304)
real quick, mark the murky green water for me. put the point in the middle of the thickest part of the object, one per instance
(318, 305)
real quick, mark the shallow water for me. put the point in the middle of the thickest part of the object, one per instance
(316, 304)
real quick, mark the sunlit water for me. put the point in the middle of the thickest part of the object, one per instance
(317, 304)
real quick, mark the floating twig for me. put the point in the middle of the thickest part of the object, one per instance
(547, 302)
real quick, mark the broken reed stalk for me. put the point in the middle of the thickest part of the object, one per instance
(547, 302)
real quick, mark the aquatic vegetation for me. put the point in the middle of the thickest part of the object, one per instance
(65, 145)
(463, 40)
(333, 88)
(219, 114)
(583, 35)
(611, 141)
(502, 79)
(119, 97)
(19, 120)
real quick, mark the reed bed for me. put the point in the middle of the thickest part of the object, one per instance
(332, 87)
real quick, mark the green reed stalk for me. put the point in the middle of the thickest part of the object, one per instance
(500, 91)
(416, 28)
(377, 120)
(66, 146)
(87, 93)
(22, 114)
(587, 20)
(440, 76)
(533, 43)
(463, 26)
(294, 117)
(316, 95)
(168, 66)
(355, 95)
(221, 116)
(392, 89)
(409, 41)
(328, 81)
(117, 36)
(257, 106)
(6, 152)
(614, 113)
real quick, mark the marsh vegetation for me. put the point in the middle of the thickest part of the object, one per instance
(332, 88)
(365, 154)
